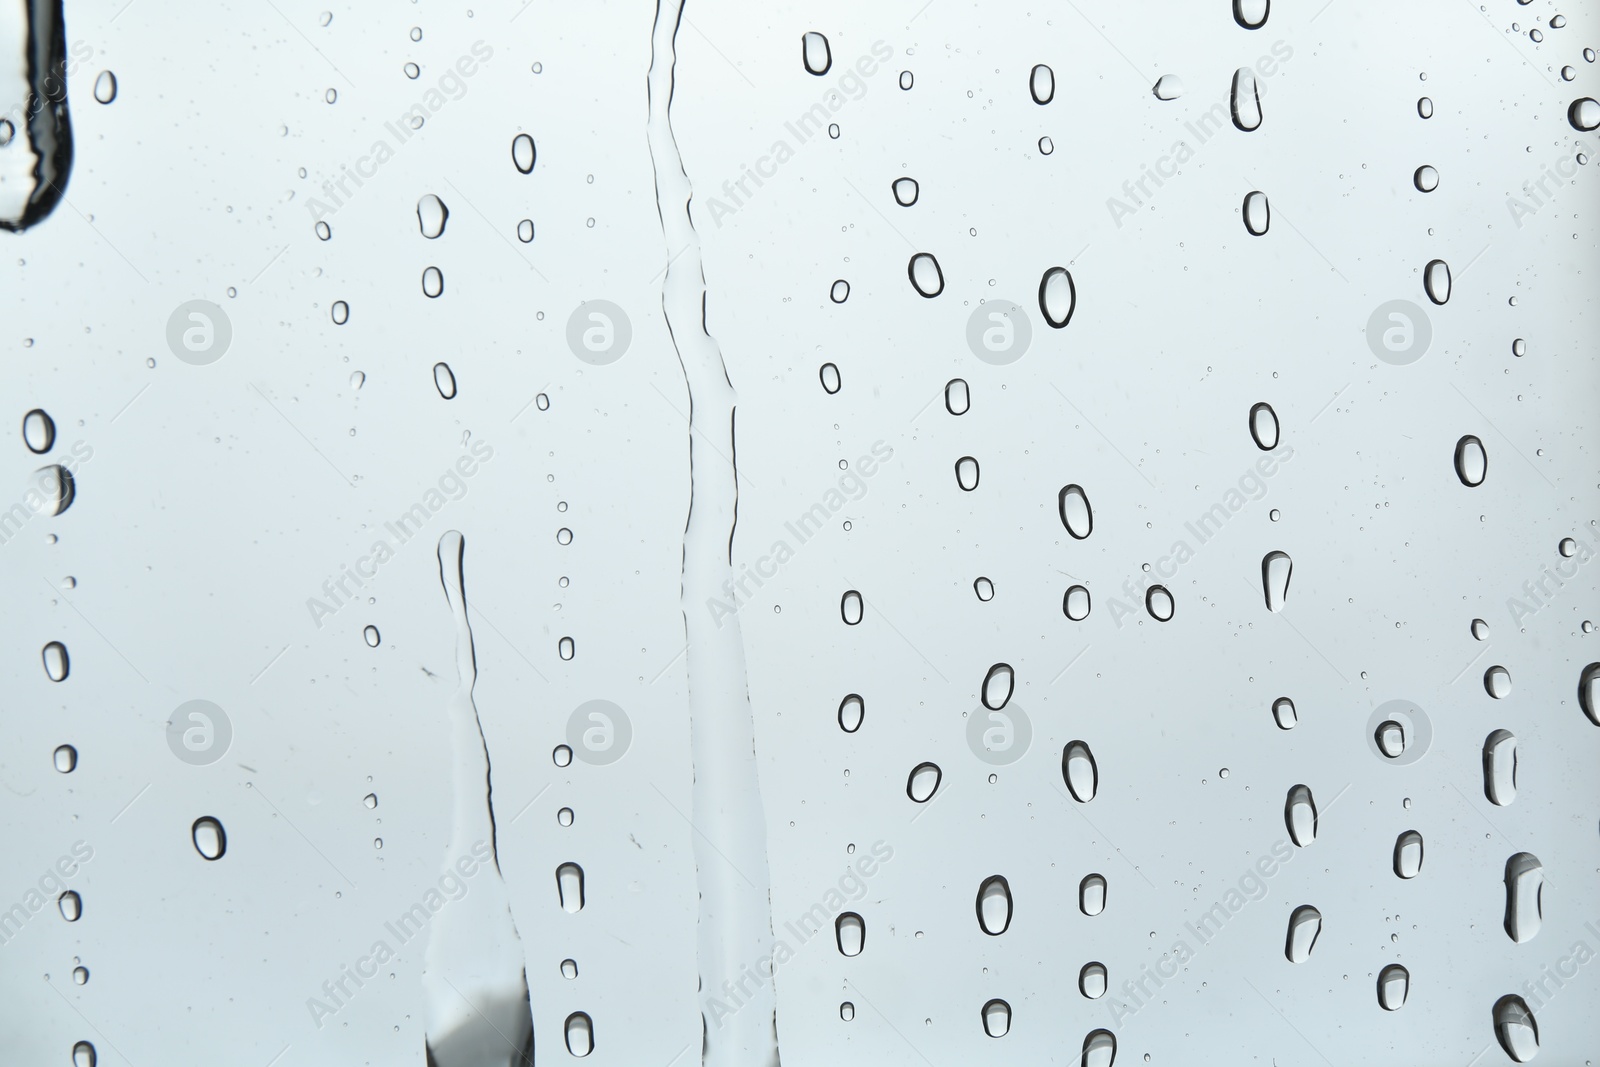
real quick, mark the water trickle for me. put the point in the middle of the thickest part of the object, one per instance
(1589, 692)
(569, 887)
(1042, 84)
(1284, 714)
(579, 1033)
(1092, 894)
(850, 608)
(1524, 897)
(1058, 297)
(523, 152)
(852, 710)
(967, 473)
(444, 379)
(1515, 1028)
(957, 397)
(431, 216)
(1158, 603)
(66, 759)
(1099, 1049)
(998, 683)
(1079, 771)
(57, 664)
(1436, 281)
(1305, 926)
(1408, 855)
(927, 277)
(906, 191)
(815, 53)
(1264, 426)
(38, 431)
(923, 782)
(1500, 768)
(35, 168)
(1257, 213)
(1497, 682)
(1472, 462)
(1168, 87)
(1251, 14)
(1394, 985)
(1300, 815)
(1076, 603)
(1276, 568)
(1426, 179)
(850, 934)
(210, 840)
(1245, 100)
(828, 374)
(1092, 980)
(994, 905)
(1072, 504)
(997, 1018)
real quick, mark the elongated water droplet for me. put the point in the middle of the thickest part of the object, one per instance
(357, 379)
(1300, 815)
(1276, 568)
(1092, 980)
(432, 282)
(1092, 894)
(444, 379)
(1408, 854)
(984, 588)
(850, 934)
(1524, 897)
(927, 277)
(71, 905)
(105, 87)
(1284, 714)
(1589, 692)
(1168, 87)
(339, 312)
(1472, 462)
(1245, 100)
(967, 473)
(1158, 603)
(523, 152)
(1584, 114)
(1058, 297)
(997, 685)
(1500, 768)
(66, 759)
(905, 191)
(525, 231)
(371, 636)
(57, 664)
(850, 608)
(1042, 84)
(1436, 280)
(1305, 925)
(816, 53)
(1251, 14)
(1099, 1049)
(847, 1011)
(852, 710)
(569, 887)
(1497, 682)
(83, 1055)
(80, 975)
(1079, 771)
(1426, 179)
(1076, 603)
(431, 216)
(1391, 738)
(210, 840)
(38, 431)
(1394, 985)
(994, 905)
(1515, 1028)
(957, 397)
(839, 291)
(997, 1018)
(579, 1032)
(1425, 108)
(1257, 213)
(829, 375)
(566, 648)
(56, 485)
(1264, 426)
(923, 782)
(1072, 504)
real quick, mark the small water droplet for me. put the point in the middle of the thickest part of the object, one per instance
(1471, 461)
(923, 782)
(850, 608)
(1079, 771)
(1168, 87)
(38, 431)
(1394, 985)
(967, 473)
(1099, 1049)
(340, 312)
(1497, 682)
(105, 87)
(432, 282)
(850, 934)
(1284, 714)
(1524, 897)
(1515, 1028)
(997, 1018)
(1408, 855)
(70, 905)
(1425, 107)
(1092, 894)
(523, 152)
(1058, 297)
(444, 379)
(1305, 926)
(1264, 427)
(1092, 980)
(1251, 14)
(1584, 114)
(1245, 100)
(1076, 603)
(1276, 569)
(1042, 84)
(927, 277)
(66, 759)
(83, 1055)
(569, 969)
(569, 887)
(57, 664)
(829, 374)
(852, 710)
(984, 588)
(1158, 603)
(1257, 213)
(1426, 179)
(210, 840)
(1436, 281)
(906, 191)
(432, 214)
(957, 397)
(1300, 815)
(1072, 505)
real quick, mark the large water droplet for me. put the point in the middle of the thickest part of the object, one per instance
(1042, 84)
(370, 635)
(905, 191)
(850, 934)
(1394, 985)
(1589, 692)
(1497, 682)
(1076, 603)
(431, 216)
(1584, 114)
(1158, 603)
(927, 278)
(1245, 100)
(1300, 815)
(1099, 1049)
(432, 282)
(210, 840)
(56, 485)
(1251, 14)
(998, 682)
(444, 379)
(1515, 1028)
(569, 887)
(839, 291)
(984, 588)
(1472, 462)
(1436, 280)
(1276, 568)
(83, 1055)
(967, 473)
(1500, 768)
(850, 608)
(1079, 771)
(38, 431)
(957, 397)
(579, 1031)
(994, 905)
(339, 312)
(1058, 297)
(1168, 87)
(997, 1018)
(1257, 213)
(66, 759)
(1284, 714)
(57, 664)
(1524, 897)
(1426, 179)
(1092, 894)
(1425, 108)
(1072, 504)
(815, 53)
(852, 710)
(105, 87)
(828, 373)
(1092, 980)
(1305, 925)
(1264, 426)
(1408, 854)
(71, 905)
(523, 152)
(923, 782)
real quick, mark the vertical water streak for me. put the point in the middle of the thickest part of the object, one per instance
(36, 133)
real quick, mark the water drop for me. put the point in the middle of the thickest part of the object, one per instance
(1425, 107)
(815, 53)
(1500, 768)
(1168, 87)
(829, 374)
(1497, 682)
(432, 282)
(1394, 985)
(1524, 897)
(1251, 14)
(967, 473)
(323, 230)
(1480, 630)
(569, 887)
(70, 905)
(444, 379)
(569, 969)
(1276, 568)
(340, 312)
(1042, 84)
(996, 1018)
(984, 588)
(83, 1055)
(1245, 100)
(847, 1011)
(923, 782)
(370, 635)
(1076, 603)
(80, 975)
(850, 608)
(57, 486)
(1092, 980)
(1058, 297)
(1072, 504)
(1300, 815)
(38, 431)
(927, 278)
(564, 817)
(852, 710)
(105, 87)
(1305, 925)
(998, 683)
(431, 216)
(370, 800)
(523, 152)
(1046, 146)
(66, 759)
(566, 648)
(579, 1031)
(210, 840)
(525, 231)
(1391, 738)
(1079, 771)
(1436, 280)
(57, 664)
(1515, 1028)
(1158, 603)
(1264, 427)
(994, 905)
(907, 79)
(1472, 462)
(957, 397)
(1284, 714)
(839, 292)
(1589, 691)
(1584, 114)
(1092, 894)
(850, 934)
(905, 191)
(1426, 179)
(1099, 1049)
(1408, 855)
